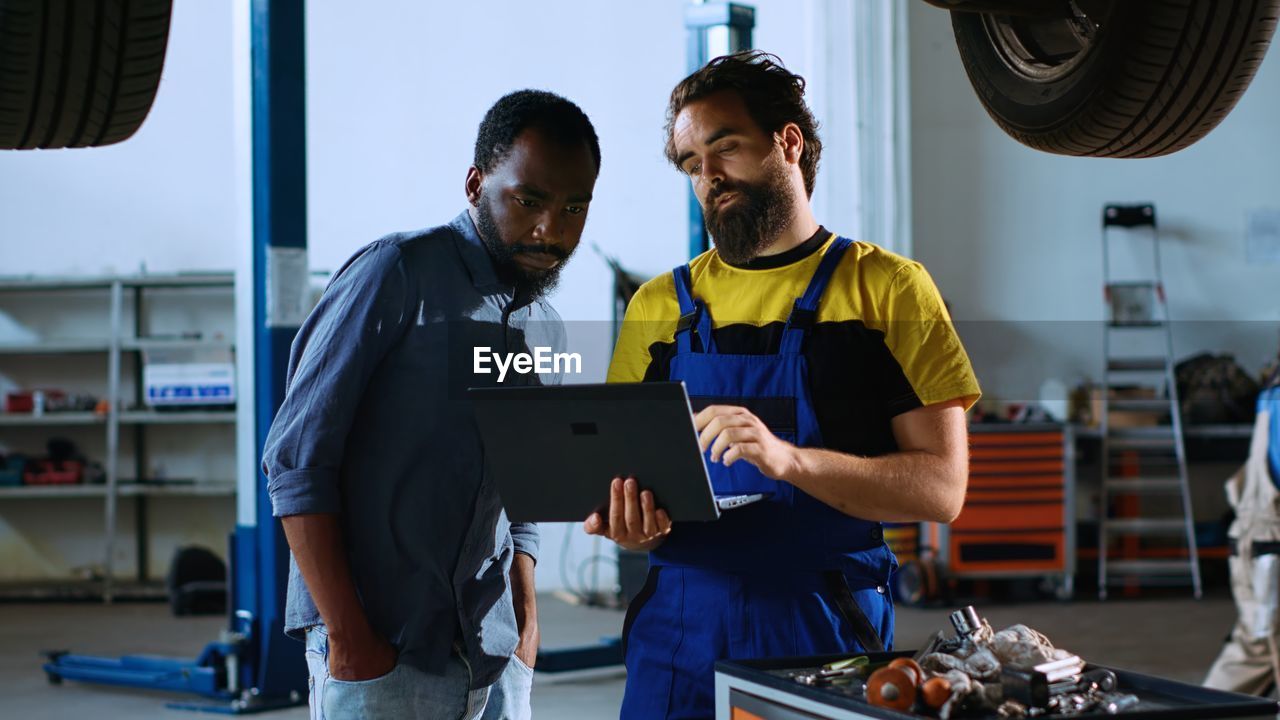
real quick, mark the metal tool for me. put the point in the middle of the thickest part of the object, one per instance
(966, 621)
(825, 677)
(1118, 703)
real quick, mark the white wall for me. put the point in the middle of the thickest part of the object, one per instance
(394, 100)
(164, 199)
(1012, 236)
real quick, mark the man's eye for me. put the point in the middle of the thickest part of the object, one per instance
(694, 169)
(728, 147)
(575, 210)
(524, 202)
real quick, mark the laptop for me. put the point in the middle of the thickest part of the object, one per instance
(553, 450)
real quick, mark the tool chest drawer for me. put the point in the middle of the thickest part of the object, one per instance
(1018, 507)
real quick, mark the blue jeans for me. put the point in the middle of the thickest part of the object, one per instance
(407, 692)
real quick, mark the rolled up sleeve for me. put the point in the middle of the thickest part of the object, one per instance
(359, 317)
(526, 539)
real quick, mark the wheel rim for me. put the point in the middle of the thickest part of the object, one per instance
(1046, 49)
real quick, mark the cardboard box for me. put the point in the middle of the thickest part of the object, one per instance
(189, 378)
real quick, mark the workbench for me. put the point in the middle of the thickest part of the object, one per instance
(761, 690)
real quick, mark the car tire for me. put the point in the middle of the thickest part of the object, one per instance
(1123, 78)
(78, 73)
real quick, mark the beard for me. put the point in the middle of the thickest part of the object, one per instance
(755, 219)
(531, 284)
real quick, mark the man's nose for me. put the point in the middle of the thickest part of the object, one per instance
(550, 229)
(711, 177)
(712, 171)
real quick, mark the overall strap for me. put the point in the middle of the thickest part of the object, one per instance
(805, 310)
(693, 313)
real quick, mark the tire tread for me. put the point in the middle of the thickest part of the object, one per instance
(78, 73)
(1181, 66)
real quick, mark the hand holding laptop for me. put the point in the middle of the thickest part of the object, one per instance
(632, 521)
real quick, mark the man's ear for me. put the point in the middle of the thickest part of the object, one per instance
(792, 141)
(475, 179)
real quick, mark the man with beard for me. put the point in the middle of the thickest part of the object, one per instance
(413, 592)
(825, 374)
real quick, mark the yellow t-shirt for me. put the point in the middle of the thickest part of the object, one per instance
(882, 343)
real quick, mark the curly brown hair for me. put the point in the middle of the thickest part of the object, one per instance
(774, 96)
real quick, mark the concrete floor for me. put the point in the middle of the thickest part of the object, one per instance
(1175, 638)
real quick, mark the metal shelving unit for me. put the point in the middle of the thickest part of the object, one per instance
(118, 343)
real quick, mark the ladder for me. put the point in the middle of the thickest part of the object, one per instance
(1140, 463)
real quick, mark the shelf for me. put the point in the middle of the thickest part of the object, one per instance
(142, 344)
(1189, 432)
(51, 419)
(76, 347)
(55, 347)
(28, 283)
(177, 417)
(35, 284)
(52, 491)
(132, 417)
(207, 489)
(181, 280)
(70, 589)
(200, 489)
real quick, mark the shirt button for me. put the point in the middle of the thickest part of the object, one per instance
(880, 589)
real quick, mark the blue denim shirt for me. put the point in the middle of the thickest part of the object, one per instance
(376, 428)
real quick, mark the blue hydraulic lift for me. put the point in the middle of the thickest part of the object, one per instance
(253, 667)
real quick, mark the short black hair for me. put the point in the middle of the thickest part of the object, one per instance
(554, 116)
(774, 96)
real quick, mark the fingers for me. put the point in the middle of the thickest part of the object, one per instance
(719, 424)
(732, 438)
(711, 412)
(634, 522)
(748, 451)
(663, 521)
(617, 508)
(634, 516)
(705, 416)
(650, 519)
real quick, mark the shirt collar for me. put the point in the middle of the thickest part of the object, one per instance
(475, 255)
(795, 254)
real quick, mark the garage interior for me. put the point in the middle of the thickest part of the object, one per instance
(130, 268)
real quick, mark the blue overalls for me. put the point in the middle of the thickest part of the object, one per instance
(786, 576)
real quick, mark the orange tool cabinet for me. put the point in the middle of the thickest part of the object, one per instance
(1019, 511)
